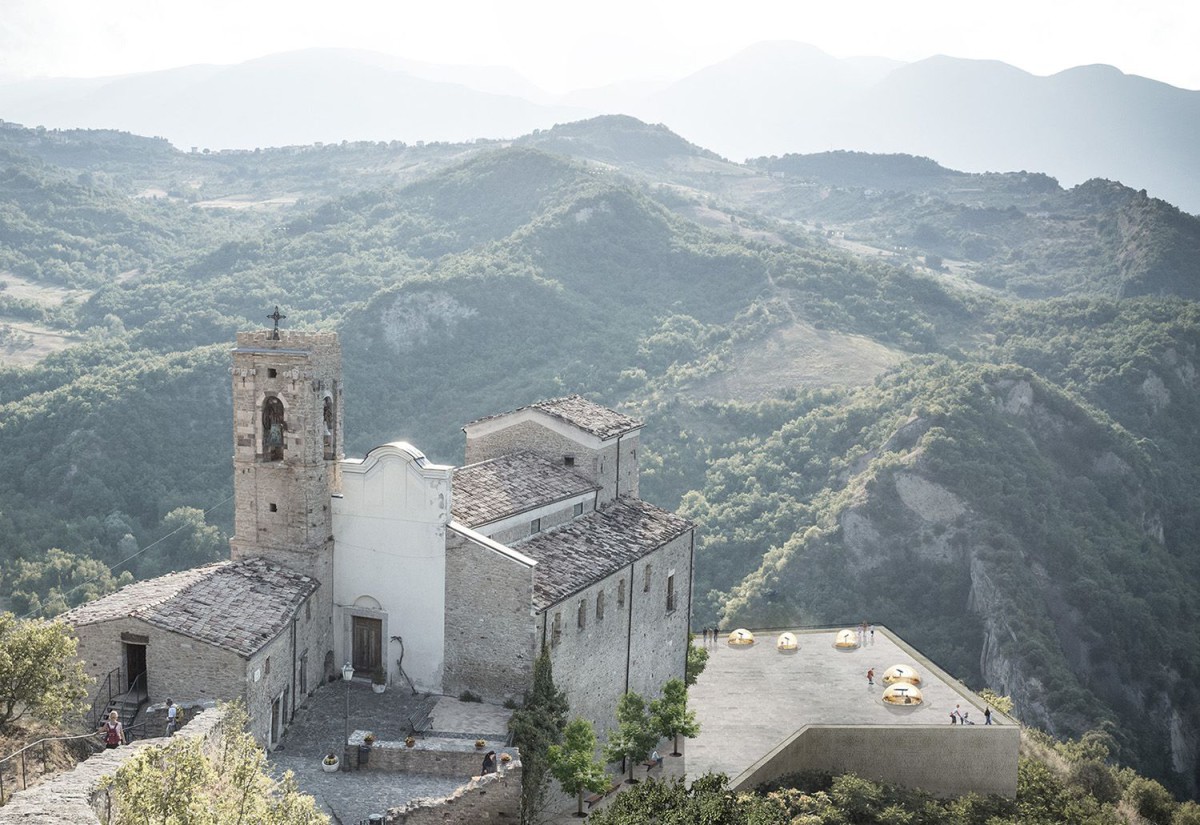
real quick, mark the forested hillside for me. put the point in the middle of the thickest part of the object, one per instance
(923, 438)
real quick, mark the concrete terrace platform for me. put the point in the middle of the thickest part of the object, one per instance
(752, 702)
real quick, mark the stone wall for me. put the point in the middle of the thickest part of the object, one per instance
(490, 642)
(658, 646)
(637, 647)
(74, 798)
(276, 670)
(177, 666)
(484, 799)
(942, 759)
(394, 757)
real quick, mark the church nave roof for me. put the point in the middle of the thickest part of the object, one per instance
(587, 549)
(511, 484)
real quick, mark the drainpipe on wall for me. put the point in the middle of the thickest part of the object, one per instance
(691, 575)
(629, 633)
(618, 495)
(292, 709)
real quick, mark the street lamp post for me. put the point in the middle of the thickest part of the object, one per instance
(347, 675)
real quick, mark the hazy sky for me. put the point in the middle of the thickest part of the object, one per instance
(567, 44)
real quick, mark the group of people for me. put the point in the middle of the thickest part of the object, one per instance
(958, 716)
(113, 731)
(711, 635)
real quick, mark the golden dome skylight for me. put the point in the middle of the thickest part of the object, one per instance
(901, 673)
(846, 639)
(786, 642)
(903, 693)
(741, 638)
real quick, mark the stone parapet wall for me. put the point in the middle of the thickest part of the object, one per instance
(394, 757)
(945, 760)
(484, 799)
(75, 798)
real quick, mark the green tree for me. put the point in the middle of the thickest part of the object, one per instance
(60, 581)
(1004, 704)
(40, 674)
(180, 783)
(697, 660)
(574, 765)
(187, 541)
(1188, 813)
(670, 714)
(635, 735)
(536, 726)
(1151, 800)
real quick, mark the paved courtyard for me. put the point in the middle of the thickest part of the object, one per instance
(320, 726)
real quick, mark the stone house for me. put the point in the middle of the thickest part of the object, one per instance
(449, 579)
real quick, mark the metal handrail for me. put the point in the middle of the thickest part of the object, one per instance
(45, 761)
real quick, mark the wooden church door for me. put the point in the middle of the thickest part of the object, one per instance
(368, 645)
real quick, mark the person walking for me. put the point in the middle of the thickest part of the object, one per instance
(987, 715)
(870, 676)
(172, 717)
(489, 763)
(113, 731)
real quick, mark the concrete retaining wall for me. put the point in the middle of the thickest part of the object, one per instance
(947, 760)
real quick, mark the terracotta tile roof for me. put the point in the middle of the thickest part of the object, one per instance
(238, 606)
(586, 415)
(510, 484)
(587, 549)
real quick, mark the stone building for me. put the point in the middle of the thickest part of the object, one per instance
(448, 579)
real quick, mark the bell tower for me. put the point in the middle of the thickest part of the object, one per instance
(287, 445)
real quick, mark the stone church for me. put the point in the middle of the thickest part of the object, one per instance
(443, 578)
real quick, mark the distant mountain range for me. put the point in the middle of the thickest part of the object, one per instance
(772, 98)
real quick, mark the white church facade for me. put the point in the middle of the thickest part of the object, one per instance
(448, 578)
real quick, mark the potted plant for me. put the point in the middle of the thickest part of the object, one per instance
(505, 759)
(379, 680)
(330, 763)
(410, 741)
(479, 743)
(369, 739)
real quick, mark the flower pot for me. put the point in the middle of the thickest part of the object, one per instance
(325, 766)
(378, 688)
(410, 742)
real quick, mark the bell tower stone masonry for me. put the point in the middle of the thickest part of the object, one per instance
(287, 413)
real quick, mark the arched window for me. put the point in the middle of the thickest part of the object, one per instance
(274, 426)
(330, 422)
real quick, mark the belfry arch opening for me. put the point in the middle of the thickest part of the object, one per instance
(274, 425)
(329, 423)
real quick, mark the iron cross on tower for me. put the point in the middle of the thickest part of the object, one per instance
(276, 317)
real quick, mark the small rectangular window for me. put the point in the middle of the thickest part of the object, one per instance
(671, 593)
(621, 593)
(308, 610)
(568, 461)
(582, 618)
(274, 507)
(578, 511)
(271, 373)
(600, 605)
(267, 667)
(646, 584)
(535, 526)
(556, 628)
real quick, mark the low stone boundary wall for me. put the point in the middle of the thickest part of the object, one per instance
(433, 756)
(74, 798)
(946, 760)
(483, 799)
